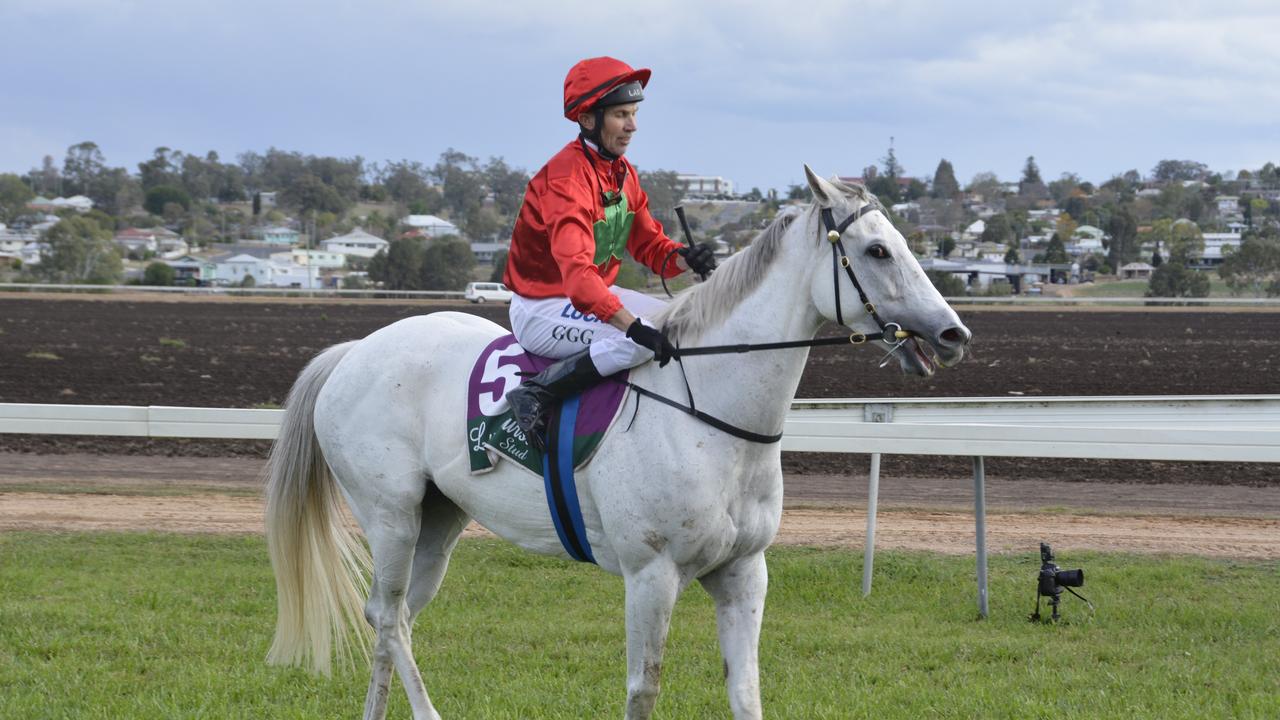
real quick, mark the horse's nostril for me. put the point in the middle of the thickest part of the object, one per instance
(954, 336)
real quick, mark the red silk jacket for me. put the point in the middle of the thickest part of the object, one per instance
(567, 243)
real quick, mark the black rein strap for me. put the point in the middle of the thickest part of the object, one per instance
(839, 258)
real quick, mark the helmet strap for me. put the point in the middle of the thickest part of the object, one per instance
(594, 135)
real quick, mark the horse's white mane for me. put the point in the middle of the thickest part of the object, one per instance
(707, 304)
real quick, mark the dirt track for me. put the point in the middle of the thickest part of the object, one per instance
(105, 493)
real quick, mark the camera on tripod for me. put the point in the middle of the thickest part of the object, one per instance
(1052, 580)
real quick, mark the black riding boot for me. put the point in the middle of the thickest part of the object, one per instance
(532, 401)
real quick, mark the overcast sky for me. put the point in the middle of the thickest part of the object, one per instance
(749, 91)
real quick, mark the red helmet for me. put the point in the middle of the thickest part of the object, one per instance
(592, 79)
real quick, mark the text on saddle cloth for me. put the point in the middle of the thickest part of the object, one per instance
(492, 433)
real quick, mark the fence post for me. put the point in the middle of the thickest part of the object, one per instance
(980, 529)
(879, 413)
(869, 547)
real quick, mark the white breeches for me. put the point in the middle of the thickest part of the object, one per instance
(552, 327)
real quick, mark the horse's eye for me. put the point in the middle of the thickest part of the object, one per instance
(878, 252)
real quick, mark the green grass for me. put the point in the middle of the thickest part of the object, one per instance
(165, 626)
(178, 343)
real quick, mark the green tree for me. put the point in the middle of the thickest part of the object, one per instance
(944, 181)
(158, 273)
(1174, 279)
(1031, 185)
(1168, 171)
(945, 246)
(665, 192)
(1181, 238)
(506, 184)
(447, 265)
(14, 196)
(399, 267)
(1065, 227)
(83, 163)
(1062, 188)
(80, 251)
(310, 192)
(987, 185)
(1055, 251)
(1123, 228)
(1012, 257)
(407, 183)
(948, 284)
(462, 183)
(499, 266)
(998, 229)
(160, 196)
(161, 169)
(1254, 265)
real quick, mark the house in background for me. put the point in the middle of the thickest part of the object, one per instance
(1136, 271)
(431, 226)
(698, 186)
(79, 203)
(194, 270)
(280, 235)
(161, 241)
(274, 271)
(485, 252)
(321, 259)
(357, 243)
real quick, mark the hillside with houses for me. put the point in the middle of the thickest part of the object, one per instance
(288, 220)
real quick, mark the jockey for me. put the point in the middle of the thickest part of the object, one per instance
(580, 212)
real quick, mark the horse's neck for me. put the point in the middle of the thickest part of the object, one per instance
(761, 384)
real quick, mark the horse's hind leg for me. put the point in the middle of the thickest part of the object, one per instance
(388, 505)
(442, 525)
(738, 589)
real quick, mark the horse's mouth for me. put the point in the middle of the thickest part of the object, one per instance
(917, 359)
(924, 358)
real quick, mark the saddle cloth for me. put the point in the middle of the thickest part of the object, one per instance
(492, 433)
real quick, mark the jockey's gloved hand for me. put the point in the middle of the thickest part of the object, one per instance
(700, 258)
(654, 339)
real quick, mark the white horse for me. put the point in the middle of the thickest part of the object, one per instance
(667, 499)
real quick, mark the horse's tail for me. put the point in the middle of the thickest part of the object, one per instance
(319, 563)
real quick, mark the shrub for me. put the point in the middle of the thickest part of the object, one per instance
(158, 273)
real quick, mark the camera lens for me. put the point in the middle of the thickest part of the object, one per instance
(1070, 578)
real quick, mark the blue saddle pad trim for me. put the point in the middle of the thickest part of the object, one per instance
(562, 491)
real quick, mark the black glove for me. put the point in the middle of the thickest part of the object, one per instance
(700, 258)
(652, 338)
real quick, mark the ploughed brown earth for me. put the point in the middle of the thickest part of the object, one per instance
(229, 352)
(223, 352)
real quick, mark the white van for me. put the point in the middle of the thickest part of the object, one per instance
(478, 292)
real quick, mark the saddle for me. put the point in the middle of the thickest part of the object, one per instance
(576, 426)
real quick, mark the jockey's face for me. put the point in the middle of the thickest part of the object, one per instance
(619, 126)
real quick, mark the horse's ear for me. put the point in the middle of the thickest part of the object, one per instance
(823, 191)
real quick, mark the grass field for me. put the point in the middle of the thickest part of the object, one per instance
(165, 626)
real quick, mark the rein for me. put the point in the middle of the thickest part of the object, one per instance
(889, 332)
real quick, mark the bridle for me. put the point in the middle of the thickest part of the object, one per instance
(891, 333)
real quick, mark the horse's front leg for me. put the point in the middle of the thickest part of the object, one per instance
(651, 595)
(738, 589)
